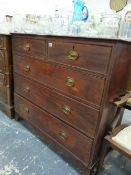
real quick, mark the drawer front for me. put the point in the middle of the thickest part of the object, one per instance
(32, 47)
(76, 84)
(74, 141)
(2, 60)
(92, 57)
(74, 113)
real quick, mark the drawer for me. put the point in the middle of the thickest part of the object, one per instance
(70, 138)
(77, 84)
(80, 116)
(28, 46)
(91, 57)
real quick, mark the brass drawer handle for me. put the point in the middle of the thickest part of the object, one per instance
(69, 82)
(26, 110)
(27, 68)
(73, 55)
(27, 89)
(27, 47)
(62, 135)
(66, 109)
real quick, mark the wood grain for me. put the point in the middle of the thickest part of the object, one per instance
(6, 76)
(73, 140)
(55, 76)
(82, 117)
(91, 57)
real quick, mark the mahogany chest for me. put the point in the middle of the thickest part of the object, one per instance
(6, 80)
(65, 87)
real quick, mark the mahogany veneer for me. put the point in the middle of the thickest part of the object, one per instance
(6, 80)
(65, 87)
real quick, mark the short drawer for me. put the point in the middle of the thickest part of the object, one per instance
(80, 116)
(35, 48)
(91, 57)
(77, 84)
(78, 144)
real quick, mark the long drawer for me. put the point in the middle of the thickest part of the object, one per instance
(80, 116)
(58, 130)
(29, 46)
(86, 56)
(77, 84)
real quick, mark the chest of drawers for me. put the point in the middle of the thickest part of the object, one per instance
(6, 81)
(65, 87)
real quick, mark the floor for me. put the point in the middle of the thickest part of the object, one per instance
(23, 153)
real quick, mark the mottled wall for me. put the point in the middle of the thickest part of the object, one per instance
(48, 6)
